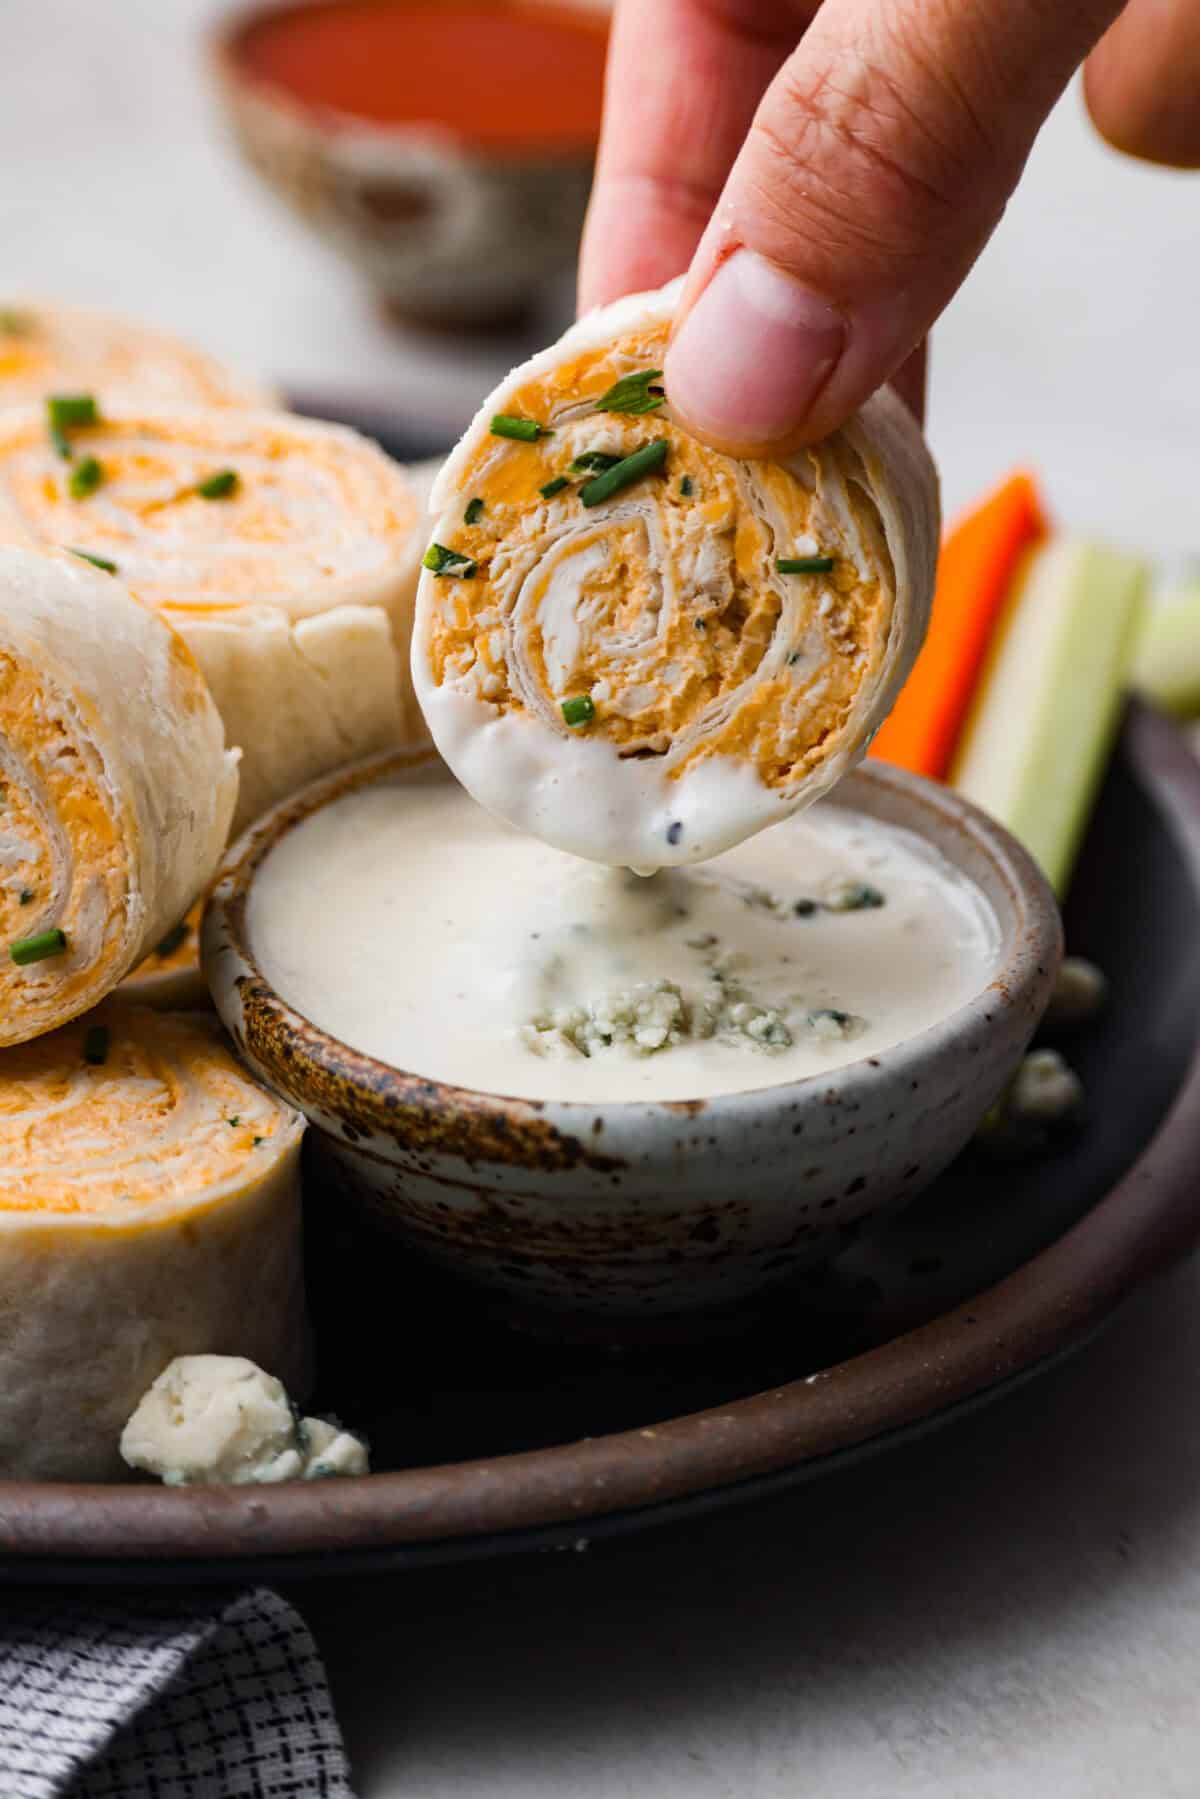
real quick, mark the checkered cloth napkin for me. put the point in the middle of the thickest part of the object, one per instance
(201, 1696)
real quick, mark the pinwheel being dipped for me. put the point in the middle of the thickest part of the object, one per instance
(643, 650)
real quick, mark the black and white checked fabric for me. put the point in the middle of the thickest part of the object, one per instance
(197, 1697)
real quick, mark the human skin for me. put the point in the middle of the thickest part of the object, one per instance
(827, 171)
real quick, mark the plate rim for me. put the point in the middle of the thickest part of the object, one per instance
(976, 1351)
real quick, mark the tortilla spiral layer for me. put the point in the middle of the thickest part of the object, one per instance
(118, 790)
(151, 1209)
(640, 677)
(46, 347)
(293, 586)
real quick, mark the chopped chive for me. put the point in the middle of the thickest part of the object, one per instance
(40, 948)
(258, 1141)
(804, 565)
(14, 323)
(855, 896)
(110, 568)
(579, 711)
(172, 941)
(441, 561)
(642, 462)
(474, 512)
(526, 431)
(95, 1045)
(221, 486)
(552, 487)
(686, 488)
(25, 897)
(633, 394)
(86, 477)
(69, 412)
(234, 1121)
(593, 462)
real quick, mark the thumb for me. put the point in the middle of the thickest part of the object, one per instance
(878, 164)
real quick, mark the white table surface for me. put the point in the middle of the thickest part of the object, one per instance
(1009, 1608)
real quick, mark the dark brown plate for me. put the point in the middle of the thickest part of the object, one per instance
(494, 1442)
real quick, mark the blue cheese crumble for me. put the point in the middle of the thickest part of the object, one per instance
(214, 1420)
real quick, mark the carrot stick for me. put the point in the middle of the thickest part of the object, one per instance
(980, 557)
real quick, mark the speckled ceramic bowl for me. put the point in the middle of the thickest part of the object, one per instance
(447, 234)
(648, 1209)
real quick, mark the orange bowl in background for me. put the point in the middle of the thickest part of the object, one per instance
(444, 147)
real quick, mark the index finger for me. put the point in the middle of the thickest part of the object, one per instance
(684, 79)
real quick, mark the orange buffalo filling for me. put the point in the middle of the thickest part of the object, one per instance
(674, 605)
(125, 1108)
(60, 832)
(295, 515)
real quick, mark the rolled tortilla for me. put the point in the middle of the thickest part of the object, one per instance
(636, 679)
(294, 588)
(46, 347)
(117, 787)
(150, 1209)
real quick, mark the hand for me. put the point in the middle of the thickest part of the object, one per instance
(831, 172)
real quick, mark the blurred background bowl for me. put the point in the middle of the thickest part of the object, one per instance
(444, 147)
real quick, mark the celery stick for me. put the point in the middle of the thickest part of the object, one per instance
(1038, 737)
(1167, 667)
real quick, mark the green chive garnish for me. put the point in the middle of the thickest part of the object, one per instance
(220, 486)
(633, 394)
(69, 412)
(448, 562)
(474, 512)
(95, 1045)
(14, 324)
(856, 896)
(40, 948)
(579, 711)
(25, 897)
(257, 1141)
(686, 488)
(805, 565)
(172, 941)
(631, 469)
(110, 568)
(593, 462)
(234, 1121)
(526, 431)
(552, 487)
(86, 477)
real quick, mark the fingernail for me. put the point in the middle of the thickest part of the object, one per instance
(753, 354)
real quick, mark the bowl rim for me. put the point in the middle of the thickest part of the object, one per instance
(224, 39)
(1027, 960)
